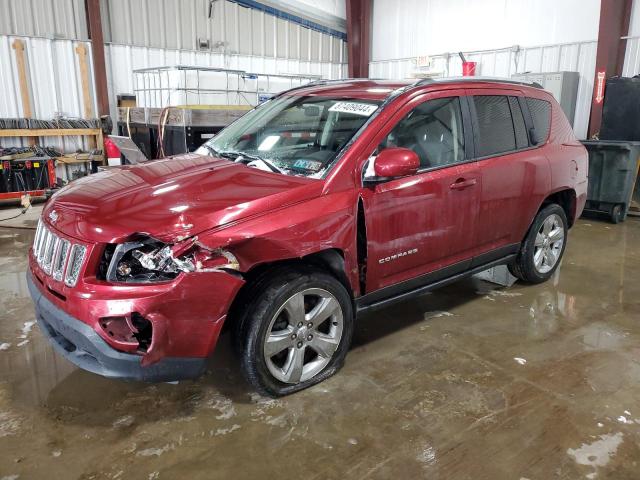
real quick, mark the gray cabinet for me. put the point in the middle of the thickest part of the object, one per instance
(562, 85)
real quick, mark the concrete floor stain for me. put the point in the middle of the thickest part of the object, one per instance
(473, 381)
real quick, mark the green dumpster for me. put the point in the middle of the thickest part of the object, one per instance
(613, 169)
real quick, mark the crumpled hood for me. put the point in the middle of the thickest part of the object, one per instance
(171, 199)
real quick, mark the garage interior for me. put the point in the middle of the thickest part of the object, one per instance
(481, 379)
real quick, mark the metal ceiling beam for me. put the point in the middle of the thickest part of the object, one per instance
(358, 37)
(614, 24)
(94, 25)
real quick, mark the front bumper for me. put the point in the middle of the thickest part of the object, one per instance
(82, 346)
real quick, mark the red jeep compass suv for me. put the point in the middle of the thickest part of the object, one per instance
(324, 202)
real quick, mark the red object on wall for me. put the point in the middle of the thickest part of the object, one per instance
(614, 24)
(601, 76)
(469, 69)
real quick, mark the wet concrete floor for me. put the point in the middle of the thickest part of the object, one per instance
(473, 381)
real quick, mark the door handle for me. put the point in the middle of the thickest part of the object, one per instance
(461, 183)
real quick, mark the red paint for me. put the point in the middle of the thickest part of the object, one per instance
(18, 195)
(396, 162)
(447, 215)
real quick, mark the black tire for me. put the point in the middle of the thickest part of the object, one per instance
(523, 267)
(617, 213)
(270, 293)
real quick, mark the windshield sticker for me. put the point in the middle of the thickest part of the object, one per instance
(312, 165)
(364, 109)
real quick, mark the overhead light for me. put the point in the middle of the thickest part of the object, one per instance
(268, 143)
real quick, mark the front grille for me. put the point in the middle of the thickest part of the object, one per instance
(58, 257)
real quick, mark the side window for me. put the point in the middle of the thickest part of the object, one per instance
(522, 139)
(433, 130)
(496, 133)
(541, 116)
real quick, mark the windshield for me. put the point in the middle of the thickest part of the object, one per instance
(292, 135)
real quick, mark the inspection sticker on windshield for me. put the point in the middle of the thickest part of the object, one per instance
(312, 165)
(364, 109)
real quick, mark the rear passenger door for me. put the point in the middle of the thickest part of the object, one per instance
(513, 173)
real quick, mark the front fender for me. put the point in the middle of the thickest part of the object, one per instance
(323, 223)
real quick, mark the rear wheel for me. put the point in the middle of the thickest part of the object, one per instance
(296, 332)
(542, 249)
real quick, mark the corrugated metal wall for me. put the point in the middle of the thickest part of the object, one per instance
(577, 57)
(228, 28)
(178, 25)
(54, 76)
(632, 57)
(44, 18)
(150, 33)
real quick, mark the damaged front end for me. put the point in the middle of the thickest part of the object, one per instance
(145, 259)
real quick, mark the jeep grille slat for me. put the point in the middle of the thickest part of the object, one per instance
(58, 257)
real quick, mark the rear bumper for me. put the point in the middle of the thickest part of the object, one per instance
(82, 346)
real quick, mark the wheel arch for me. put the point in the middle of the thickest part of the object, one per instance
(566, 198)
(330, 260)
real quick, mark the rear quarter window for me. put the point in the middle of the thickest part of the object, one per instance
(541, 116)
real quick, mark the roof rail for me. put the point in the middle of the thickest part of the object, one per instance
(318, 83)
(422, 81)
(427, 81)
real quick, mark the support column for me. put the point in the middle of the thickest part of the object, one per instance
(358, 37)
(614, 24)
(94, 23)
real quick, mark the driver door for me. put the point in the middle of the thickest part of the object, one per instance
(422, 227)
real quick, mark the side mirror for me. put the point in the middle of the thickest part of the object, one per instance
(395, 162)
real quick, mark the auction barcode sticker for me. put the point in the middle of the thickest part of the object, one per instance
(364, 109)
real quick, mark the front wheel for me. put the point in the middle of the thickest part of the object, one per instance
(296, 331)
(542, 249)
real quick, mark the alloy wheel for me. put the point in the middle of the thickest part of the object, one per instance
(548, 244)
(303, 335)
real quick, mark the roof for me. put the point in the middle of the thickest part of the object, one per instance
(356, 87)
(376, 89)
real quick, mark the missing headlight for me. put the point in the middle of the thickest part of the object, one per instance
(145, 260)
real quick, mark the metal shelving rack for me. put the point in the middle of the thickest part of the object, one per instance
(152, 86)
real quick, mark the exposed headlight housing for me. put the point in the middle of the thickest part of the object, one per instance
(148, 260)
